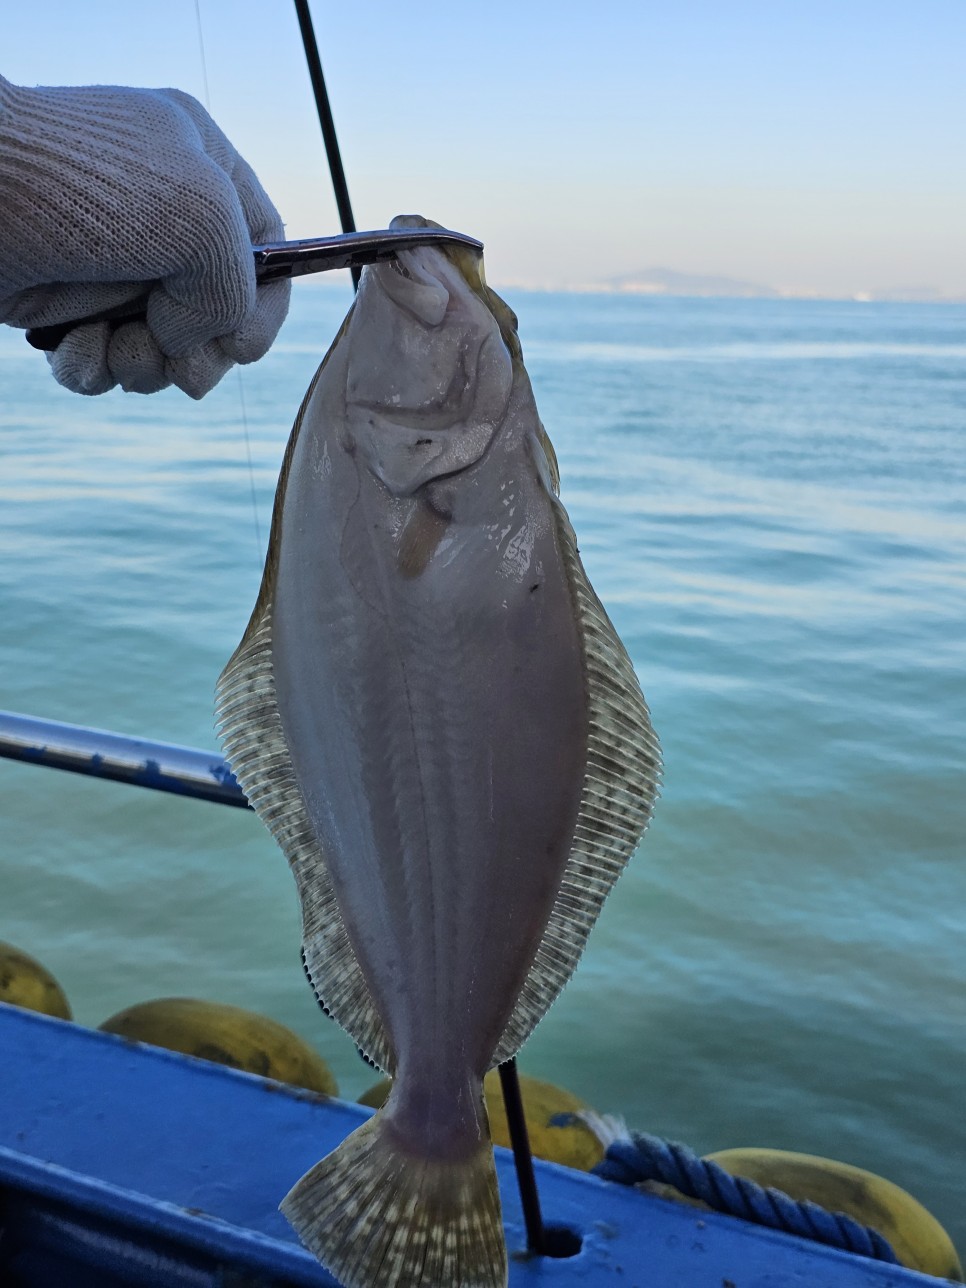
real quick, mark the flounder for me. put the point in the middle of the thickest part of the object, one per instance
(434, 716)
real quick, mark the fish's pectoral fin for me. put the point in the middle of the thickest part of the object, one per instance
(421, 534)
(380, 1216)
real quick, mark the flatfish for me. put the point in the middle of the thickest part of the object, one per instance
(434, 716)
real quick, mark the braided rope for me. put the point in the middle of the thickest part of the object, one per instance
(647, 1158)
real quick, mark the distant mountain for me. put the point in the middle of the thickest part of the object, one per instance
(666, 281)
(669, 281)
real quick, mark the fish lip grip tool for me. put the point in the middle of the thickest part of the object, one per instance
(277, 260)
(349, 250)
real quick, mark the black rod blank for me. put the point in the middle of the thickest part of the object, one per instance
(522, 1157)
(324, 109)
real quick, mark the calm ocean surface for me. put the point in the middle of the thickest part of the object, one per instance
(770, 498)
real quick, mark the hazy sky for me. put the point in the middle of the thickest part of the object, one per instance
(813, 146)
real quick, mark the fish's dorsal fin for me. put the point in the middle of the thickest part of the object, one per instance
(618, 795)
(254, 741)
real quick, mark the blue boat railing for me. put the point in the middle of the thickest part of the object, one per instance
(162, 766)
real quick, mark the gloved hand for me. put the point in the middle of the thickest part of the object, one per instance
(108, 195)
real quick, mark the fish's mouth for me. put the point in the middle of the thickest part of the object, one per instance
(446, 404)
(432, 344)
(429, 374)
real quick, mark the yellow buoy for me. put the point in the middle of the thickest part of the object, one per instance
(571, 1144)
(226, 1035)
(24, 982)
(918, 1239)
(376, 1095)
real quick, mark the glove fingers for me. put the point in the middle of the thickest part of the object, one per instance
(135, 360)
(79, 362)
(199, 371)
(93, 359)
(253, 339)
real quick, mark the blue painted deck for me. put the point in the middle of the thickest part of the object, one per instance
(121, 1164)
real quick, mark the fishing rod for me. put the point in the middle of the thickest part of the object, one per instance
(327, 122)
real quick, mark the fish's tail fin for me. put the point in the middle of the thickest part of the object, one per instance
(380, 1216)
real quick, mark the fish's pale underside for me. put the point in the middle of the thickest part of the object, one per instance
(434, 716)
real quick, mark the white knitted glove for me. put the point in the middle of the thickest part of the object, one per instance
(109, 195)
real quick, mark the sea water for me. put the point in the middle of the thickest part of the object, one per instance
(769, 498)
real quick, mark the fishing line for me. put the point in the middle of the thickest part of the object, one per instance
(204, 61)
(238, 372)
(251, 467)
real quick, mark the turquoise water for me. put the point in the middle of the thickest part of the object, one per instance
(769, 498)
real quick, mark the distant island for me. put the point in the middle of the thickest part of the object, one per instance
(672, 282)
(668, 281)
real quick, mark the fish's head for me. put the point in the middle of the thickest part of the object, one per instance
(430, 364)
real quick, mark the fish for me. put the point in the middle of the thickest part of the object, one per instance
(434, 716)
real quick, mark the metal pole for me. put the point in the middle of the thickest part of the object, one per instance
(327, 123)
(522, 1157)
(162, 766)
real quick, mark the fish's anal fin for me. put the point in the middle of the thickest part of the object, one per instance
(620, 788)
(379, 1216)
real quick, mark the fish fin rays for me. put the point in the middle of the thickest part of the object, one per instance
(252, 735)
(618, 795)
(380, 1217)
